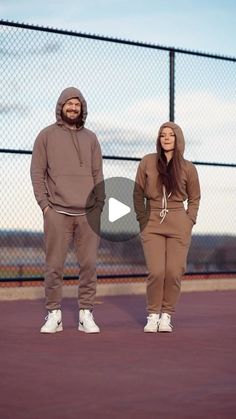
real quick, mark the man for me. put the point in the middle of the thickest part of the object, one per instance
(67, 178)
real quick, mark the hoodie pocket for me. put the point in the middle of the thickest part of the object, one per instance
(73, 190)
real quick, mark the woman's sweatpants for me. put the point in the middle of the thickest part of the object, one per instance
(59, 231)
(165, 248)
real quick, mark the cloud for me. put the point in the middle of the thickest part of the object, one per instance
(45, 49)
(11, 107)
(206, 119)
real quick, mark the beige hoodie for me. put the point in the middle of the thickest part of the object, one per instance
(66, 164)
(146, 194)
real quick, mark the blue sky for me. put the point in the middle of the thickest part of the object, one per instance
(200, 25)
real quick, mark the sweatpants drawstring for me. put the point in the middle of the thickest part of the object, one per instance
(164, 210)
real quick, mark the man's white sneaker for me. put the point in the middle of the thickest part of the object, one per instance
(165, 323)
(53, 322)
(152, 323)
(87, 323)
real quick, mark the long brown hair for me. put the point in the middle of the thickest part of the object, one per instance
(170, 174)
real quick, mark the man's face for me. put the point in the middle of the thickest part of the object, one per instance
(71, 111)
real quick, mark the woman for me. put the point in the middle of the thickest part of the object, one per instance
(164, 181)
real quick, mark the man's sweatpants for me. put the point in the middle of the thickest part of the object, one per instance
(165, 248)
(59, 231)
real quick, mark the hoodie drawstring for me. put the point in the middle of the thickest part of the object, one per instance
(76, 144)
(164, 210)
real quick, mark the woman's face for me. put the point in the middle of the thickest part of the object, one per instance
(167, 139)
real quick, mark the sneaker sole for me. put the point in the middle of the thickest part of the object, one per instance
(164, 330)
(59, 329)
(81, 329)
(150, 331)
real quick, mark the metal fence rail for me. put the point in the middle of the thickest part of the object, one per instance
(131, 88)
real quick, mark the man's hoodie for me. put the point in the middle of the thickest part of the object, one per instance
(147, 180)
(66, 166)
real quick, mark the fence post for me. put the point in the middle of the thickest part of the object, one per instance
(172, 85)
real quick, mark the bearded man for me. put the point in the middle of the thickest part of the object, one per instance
(67, 178)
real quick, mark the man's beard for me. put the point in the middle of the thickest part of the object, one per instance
(72, 121)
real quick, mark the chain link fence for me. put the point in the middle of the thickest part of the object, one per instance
(131, 89)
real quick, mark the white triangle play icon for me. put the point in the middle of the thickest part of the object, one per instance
(117, 209)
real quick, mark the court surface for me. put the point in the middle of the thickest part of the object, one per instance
(121, 372)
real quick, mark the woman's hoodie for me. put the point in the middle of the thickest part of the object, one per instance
(148, 196)
(66, 166)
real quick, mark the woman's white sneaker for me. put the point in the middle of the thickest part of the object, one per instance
(53, 322)
(87, 323)
(165, 323)
(152, 323)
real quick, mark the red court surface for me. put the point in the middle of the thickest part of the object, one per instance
(121, 372)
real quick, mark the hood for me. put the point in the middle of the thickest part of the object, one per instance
(66, 94)
(179, 136)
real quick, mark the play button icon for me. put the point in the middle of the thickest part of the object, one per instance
(116, 210)
(118, 219)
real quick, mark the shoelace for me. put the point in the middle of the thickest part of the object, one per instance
(167, 322)
(91, 318)
(49, 315)
(152, 319)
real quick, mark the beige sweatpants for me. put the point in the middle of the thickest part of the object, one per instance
(165, 248)
(59, 231)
